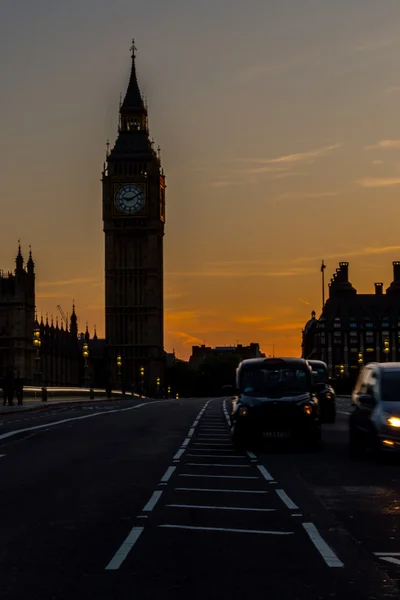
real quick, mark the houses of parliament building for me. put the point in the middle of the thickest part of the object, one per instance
(133, 203)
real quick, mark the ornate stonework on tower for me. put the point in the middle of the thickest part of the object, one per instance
(133, 219)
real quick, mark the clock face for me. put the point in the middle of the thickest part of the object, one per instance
(130, 199)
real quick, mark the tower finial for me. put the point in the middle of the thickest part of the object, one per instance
(133, 48)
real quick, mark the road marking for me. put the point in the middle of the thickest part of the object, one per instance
(387, 553)
(215, 456)
(212, 436)
(3, 436)
(179, 454)
(265, 473)
(193, 527)
(297, 515)
(124, 549)
(167, 475)
(185, 443)
(142, 517)
(220, 507)
(216, 476)
(390, 559)
(153, 501)
(251, 455)
(2, 455)
(343, 412)
(217, 465)
(286, 500)
(326, 552)
(191, 432)
(191, 489)
(211, 444)
(211, 450)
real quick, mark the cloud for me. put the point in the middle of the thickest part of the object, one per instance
(284, 327)
(226, 273)
(305, 195)
(303, 301)
(368, 251)
(378, 182)
(301, 157)
(251, 320)
(260, 70)
(63, 282)
(186, 338)
(384, 145)
(180, 315)
(393, 89)
(377, 162)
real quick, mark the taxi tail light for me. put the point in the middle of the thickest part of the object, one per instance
(243, 411)
(307, 409)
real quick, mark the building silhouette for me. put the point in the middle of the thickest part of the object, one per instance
(354, 328)
(17, 317)
(133, 219)
(239, 352)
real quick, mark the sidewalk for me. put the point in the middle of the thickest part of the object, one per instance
(31, 404)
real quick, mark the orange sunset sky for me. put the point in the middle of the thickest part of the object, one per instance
(279, 124)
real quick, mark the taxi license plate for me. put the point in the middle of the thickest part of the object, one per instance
(276, 434)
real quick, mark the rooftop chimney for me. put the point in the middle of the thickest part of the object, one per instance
(379, 289)
(396, 271)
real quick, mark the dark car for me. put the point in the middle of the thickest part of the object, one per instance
(375, 418)
(324, 390)
(275, 400)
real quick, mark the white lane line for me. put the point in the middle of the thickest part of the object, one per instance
(343, 412)
(124, 549)
(297, 515)
(217, 465)
(286, 500)
(153, 501)
(212, 450)
(167, 475)
(205, 476)
(390, 559)
(192, 489)
(215, 456)
(193, 527)
(1, 455)
(211, 444)
(142, 517)
(220, 507)
(387, 553)
(191, 432)
(265, 473)
(251, 455)
(179, 454)
(326, 552)
(62, 421)
(185, 443)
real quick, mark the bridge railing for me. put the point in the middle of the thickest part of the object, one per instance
(58, 393)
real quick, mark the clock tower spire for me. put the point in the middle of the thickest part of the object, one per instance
(133, 223)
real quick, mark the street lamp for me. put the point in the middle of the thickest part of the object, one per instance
(342, 370)
(158, 381)
(119, 365)
(360, 359)
(36, 344)
(85, 354)
(177, 396)
(169, 392)
(386, 349)
(142, 380)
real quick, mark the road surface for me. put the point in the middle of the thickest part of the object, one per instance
(148, 500)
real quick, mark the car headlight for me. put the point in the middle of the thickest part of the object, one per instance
(393, 421)
(243, 411)
(307, 409)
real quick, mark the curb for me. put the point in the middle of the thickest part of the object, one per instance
(49, 404)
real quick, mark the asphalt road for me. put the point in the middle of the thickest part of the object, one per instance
(149, 500)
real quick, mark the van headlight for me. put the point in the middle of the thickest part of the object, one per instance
(393, 421)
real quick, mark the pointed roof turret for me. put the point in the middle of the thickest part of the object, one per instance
(19, 261)
(30, 264)
(133, 100)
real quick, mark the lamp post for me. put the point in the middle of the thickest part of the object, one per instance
(85, 354)
(119, 365)
(142, 381)
(360, 360)
(36, 344)
(158, 381)
(169, 392)
(342, 370)
(386, 349)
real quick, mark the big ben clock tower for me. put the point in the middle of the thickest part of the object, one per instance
(133, 218)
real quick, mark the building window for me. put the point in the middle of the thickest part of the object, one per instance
(337, 325)
(353, 325)
(369, 325)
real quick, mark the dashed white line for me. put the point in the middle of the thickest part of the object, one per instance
(193, 527)
(215, 456)
(265, 473)
(191, 489)
(326, 552)
(217, 465)
(251, 455)
(153, 501)
(191, 432)
(185, 443)
(201, 506)
(286, 500)
(167, 474)
(211, 444)
(179, 454)
(205, 476)
(124, 549)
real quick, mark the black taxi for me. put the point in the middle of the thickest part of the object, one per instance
(275, 400)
